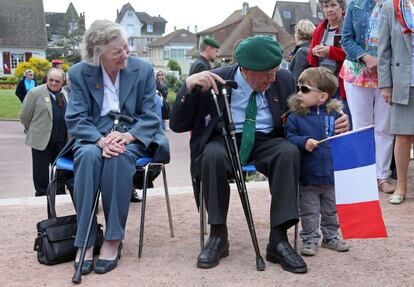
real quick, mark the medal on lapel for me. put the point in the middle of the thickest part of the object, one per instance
(97, 86)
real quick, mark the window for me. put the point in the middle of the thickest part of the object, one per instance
(131, 42)
(177, 54)
(286, 14)
(130, 13)
(16, 58)
(166, 54)
(150, 28)
(130, 29)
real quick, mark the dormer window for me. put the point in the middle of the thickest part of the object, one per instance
(286, 14)
(150, 28)
(130, 13)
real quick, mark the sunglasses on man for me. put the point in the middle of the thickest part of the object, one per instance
(307, 89)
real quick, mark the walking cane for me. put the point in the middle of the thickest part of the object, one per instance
(230, 131)
(77, 277)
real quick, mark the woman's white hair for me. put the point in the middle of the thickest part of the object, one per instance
(95, 39)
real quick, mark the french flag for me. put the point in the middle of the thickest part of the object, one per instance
(357, 199)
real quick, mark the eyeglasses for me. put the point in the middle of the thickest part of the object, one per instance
(307, 89)
(54, 80)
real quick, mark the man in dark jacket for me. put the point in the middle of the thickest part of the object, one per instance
(208, 52)
(25, 85)
(261, 81)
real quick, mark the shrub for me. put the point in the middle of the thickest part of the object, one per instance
(39, 67)
(174, 66)
(8, 80)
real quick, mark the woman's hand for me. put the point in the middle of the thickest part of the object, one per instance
(321, 51)
(387, 94)
(114, 143)
(371, 62)
(120, 138)
(341, 124)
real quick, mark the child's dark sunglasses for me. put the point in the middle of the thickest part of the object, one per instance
(306, 89)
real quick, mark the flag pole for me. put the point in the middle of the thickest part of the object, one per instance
(347, 133)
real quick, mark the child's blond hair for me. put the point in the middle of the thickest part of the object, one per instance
(321, 78)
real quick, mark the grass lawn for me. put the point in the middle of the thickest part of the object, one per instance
(9, 105)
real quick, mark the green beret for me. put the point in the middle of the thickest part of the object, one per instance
(259, 53)
(211, 42)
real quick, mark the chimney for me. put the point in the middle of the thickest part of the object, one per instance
(245, 8)
(313, 7)
(188, 28)
(195, 29)
(117, 13)
(175, 28)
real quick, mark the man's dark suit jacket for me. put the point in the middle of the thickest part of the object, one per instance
(199, 65)
(196, 112)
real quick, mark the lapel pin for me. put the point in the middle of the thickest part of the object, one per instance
(98, 86)
(275, 99)
(47, 99)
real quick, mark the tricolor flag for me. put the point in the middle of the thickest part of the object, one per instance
(357, 200)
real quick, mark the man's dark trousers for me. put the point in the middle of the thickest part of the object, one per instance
(275, 157)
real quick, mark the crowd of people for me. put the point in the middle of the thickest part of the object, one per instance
(344, 73)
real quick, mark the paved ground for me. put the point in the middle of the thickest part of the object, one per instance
(16, 161)
(171, 261)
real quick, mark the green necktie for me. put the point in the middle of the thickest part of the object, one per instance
(249, 129)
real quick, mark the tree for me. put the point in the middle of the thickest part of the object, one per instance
(39, 67)
(71, 35)
(174, 66)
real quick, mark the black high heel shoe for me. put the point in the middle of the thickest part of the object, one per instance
(87, 266)
(102, 266)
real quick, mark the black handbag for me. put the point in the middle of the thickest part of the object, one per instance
(55, 240)
(56, 235)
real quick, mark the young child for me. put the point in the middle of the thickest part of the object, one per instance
(312, 119)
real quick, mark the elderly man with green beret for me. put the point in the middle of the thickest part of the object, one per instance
(208, 53)
(261, 98)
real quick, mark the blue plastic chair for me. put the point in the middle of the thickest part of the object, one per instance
(142, 164)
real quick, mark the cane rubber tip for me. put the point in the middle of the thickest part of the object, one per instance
(76, 280)
(260, 264)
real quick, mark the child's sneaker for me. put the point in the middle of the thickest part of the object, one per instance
(309, 249)
(336, 244)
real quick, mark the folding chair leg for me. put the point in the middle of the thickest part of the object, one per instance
(167, 200)
(143, 205)
(295, 243)
(202, 216)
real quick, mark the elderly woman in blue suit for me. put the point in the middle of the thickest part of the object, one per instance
(109, 80)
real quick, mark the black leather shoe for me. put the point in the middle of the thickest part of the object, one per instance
(287, 257)
(135, 197)
(40, 193)
(215, 248)
(102, 266)
(87, 266)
